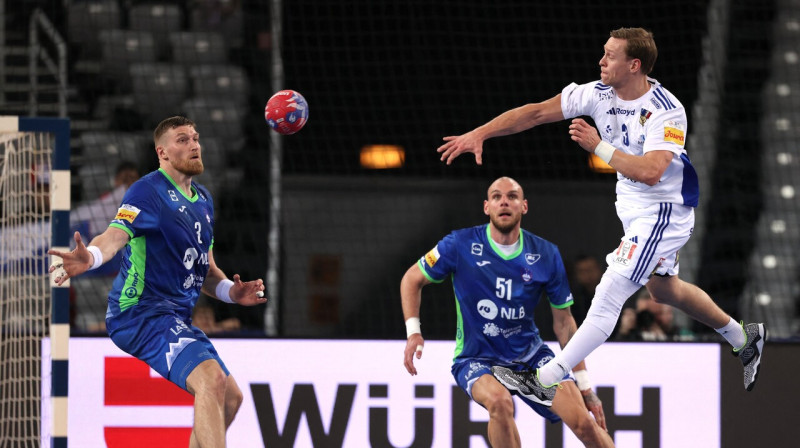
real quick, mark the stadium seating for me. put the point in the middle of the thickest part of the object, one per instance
(220, 81)
(158, 90)
(121, 48)
(85, 21)
(198, 47)
(159, 19)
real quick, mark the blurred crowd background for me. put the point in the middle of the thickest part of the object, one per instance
(407, 74)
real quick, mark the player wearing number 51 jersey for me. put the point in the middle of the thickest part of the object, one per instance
(497, 292)
(499, 274)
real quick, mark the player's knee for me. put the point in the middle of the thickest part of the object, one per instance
(214, 381)
(585, 429)
(233, 401)
(500, 404)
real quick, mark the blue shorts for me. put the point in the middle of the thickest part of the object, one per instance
(162, 340)
(468, 371)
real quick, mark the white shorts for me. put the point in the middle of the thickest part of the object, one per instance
(653, 237)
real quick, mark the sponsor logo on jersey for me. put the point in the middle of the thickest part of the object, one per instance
(131, 291)
(487, 309)
(674, 132)
(193, 280)
(658, 265)
(490, 329)
(621, 111)
(609, 130)
(188, 257)
(432, 256)
(644, 115)
(532, 258)
(127, 212)
(625, 252)
(655, 103)
(483, 263)
(477, 249)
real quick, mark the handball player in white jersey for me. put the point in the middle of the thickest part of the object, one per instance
(641, 131)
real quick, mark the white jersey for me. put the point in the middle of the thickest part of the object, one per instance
(654, 121)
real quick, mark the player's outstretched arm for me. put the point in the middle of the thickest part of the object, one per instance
(509, 122)
(81, 259)
(411, 296)
(217, 285)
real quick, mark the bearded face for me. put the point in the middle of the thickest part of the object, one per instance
(183, 151)
(505, 205)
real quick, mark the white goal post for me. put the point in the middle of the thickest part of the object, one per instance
(34, 217)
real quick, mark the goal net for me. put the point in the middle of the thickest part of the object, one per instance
(25, 233)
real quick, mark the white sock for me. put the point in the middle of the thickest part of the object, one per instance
(610, 295)
(734, 334)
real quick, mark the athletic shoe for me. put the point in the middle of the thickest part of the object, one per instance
(526, 383)
(751, 352)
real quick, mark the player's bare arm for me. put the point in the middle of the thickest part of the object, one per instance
(80, 259)
(510, 122)
(647, 168)
(411, 297)
(564, 327)
(243, 293)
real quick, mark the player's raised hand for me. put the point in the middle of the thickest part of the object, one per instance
(595, 406)
(72, 263)
(584, 134)
(414, 346)
(247, 293)
(457, 145)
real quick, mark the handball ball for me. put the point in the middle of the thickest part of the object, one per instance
(286, 112)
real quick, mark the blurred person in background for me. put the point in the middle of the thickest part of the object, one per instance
(584, 276)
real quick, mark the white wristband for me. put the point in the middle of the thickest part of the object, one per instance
(582, 379)
(412, 326)
(223, 291)
(98, 256)
(605, 151)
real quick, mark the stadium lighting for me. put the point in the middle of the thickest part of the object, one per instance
(378, 157)
(597, 165)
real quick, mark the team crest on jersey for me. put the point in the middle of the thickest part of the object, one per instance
(674, 132)
(127, 212)
(532, 258)
(644, 115)
(173, 195)
(526, 275)
(477, 249)
(432, 256)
